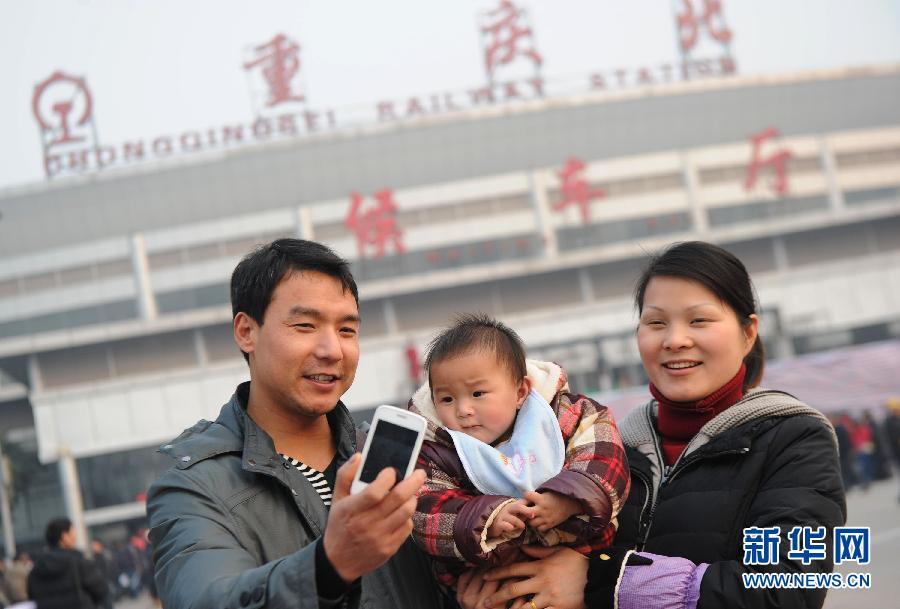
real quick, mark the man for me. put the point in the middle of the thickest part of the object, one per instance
(247, 517)
(62, 578)
(101, 562)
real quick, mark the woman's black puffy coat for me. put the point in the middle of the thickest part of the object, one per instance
(779, 468)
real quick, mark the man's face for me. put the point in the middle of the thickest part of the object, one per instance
(303, 357)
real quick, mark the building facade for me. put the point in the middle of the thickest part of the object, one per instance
(115, 328)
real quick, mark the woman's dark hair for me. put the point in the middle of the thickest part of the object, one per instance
(721, 273)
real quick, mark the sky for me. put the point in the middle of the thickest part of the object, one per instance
(167, 66)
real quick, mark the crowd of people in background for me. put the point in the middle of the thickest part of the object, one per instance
(867, 446)
(106, 576)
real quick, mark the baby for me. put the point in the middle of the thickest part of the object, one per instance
(512, 457)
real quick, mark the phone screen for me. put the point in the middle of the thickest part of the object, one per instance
(391, 446)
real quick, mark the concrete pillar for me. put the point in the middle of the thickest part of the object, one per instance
(780, 253)
(9, 538)
(586, 285)
(829, 168)
(71, 487)
(140, 268)
(692, 187)
(537, 187)
(35, 379)
(200, 349)
(390, 317)
(303, 226)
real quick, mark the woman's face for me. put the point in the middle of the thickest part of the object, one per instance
(691, 343)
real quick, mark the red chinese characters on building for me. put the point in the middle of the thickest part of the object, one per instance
(575, 190)
(280, 61)
(377, 226)
(690, 23)
(507, 38)
(776, 160)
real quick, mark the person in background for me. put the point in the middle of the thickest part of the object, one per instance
(845, 450)
(101, 560)
(17, 577)
(892, 432)
(710, 455)
(864, 449)
(62, 578)
(4, 586)
(881, 460)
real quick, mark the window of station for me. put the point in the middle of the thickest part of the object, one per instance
(630, 186)
(122, 477)
(148, 354)
(373, 322)
(218, 341)
(761, 210)
(448, 257)
(887, 233)
(435, 215)
(855, 198)
(36, 491)
(593, 235)
(51, 280)
(882, 156)
(74, 366)
(9, 287)
(615, 279)
(73, 318)
(832, 243)
(581, 359)
(202, 252)
(214, 295)
(533, 292)
(758, 255)
(738, 173)
(436, 308)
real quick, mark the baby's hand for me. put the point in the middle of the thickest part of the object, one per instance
(551, 509)
(512, 517)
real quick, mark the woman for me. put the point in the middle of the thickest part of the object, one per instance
(709, 456)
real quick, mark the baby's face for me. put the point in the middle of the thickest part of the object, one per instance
(475, 394)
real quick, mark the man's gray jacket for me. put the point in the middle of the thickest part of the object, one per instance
(233, 525)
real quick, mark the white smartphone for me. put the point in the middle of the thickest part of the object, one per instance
(394, 440)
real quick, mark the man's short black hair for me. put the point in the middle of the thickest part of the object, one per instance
(476, 332)
(256, 276)
(56, 528)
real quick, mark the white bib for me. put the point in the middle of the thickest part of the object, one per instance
(534, 454)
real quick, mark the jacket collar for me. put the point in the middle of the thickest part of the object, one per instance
(235, 432)
(730, 431)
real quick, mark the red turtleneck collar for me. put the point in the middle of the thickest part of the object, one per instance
(678, 422)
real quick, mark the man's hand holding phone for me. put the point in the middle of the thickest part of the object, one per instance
(365, 529)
